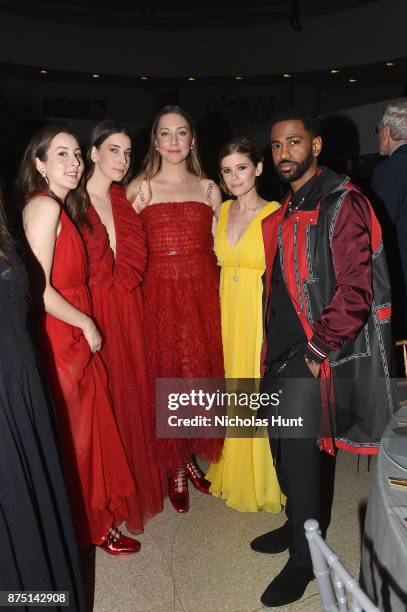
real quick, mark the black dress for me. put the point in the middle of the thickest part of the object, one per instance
(37, 543)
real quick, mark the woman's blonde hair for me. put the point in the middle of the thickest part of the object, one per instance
(152, 161)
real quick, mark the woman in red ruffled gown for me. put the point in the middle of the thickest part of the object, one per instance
(181, 284)
(97, 474)
(117, 254)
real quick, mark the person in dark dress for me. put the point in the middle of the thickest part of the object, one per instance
(389, 183)
(38, 550)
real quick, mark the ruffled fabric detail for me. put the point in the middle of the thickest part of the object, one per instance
(118, 313)
(125, 272)
(100, 255)
(131, 244)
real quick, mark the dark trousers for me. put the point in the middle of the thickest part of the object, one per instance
(295, 452)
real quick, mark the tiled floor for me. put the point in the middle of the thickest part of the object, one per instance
(202, 562)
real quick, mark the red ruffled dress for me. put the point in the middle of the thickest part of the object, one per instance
(182, 311)
(98, 477)
(118, 312)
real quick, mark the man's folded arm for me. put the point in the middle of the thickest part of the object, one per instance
(343, 318)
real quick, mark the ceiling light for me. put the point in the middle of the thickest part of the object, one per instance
(95, 76)
(43, 71)
(238, 78)
(287, 76)
(144, 78)
(191, 78)
(353, 81)
(334, 71)
(390, 64)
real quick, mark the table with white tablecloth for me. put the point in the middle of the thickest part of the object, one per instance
(384, 545)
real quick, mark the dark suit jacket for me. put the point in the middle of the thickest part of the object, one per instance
(389, 182)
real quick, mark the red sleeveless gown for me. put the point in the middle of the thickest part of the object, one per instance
(118, 312)
(182, 311)
(96, 470)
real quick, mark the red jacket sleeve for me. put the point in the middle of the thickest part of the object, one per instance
(348, 311)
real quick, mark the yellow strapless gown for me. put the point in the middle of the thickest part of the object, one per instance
(244, 476)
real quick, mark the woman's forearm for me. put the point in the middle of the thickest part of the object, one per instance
(57, 306)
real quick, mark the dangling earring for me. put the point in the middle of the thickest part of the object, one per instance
(44, 174)
(192, 147)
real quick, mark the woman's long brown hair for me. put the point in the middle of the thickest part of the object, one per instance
(5, 237)
(30, 182)
(240, 144)
(101, 132)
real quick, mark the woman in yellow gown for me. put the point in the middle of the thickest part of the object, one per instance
(244, 476)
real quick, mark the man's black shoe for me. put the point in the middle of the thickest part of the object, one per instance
(275, 541)
(288, 586)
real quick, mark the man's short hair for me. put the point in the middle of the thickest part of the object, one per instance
(310, 121)
(395, 116)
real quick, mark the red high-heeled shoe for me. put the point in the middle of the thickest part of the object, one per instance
(115, 543)
(197, 477)
(178, 490)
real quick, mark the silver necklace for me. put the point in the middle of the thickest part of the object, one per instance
(236, 271)
(253, 211)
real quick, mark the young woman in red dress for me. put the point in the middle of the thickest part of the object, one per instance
(98, 477)
(117, 255)
(181, 283)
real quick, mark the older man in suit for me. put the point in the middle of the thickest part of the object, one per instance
(389, 182)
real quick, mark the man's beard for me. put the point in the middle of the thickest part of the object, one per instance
(299, 169)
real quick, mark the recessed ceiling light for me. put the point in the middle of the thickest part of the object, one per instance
(191, 78)
(144, 78)
(95, 76)
(334, 71)
(43, 71)
(390, 64)
(238, 78)
(286, 75)
(353, 81)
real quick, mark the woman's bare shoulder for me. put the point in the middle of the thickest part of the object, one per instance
(212, 195)
(137, 193)
(133, 188)
(42, 204)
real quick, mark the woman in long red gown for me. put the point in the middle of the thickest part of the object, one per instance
(117, 253)
(97, 474)
(181, 283)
